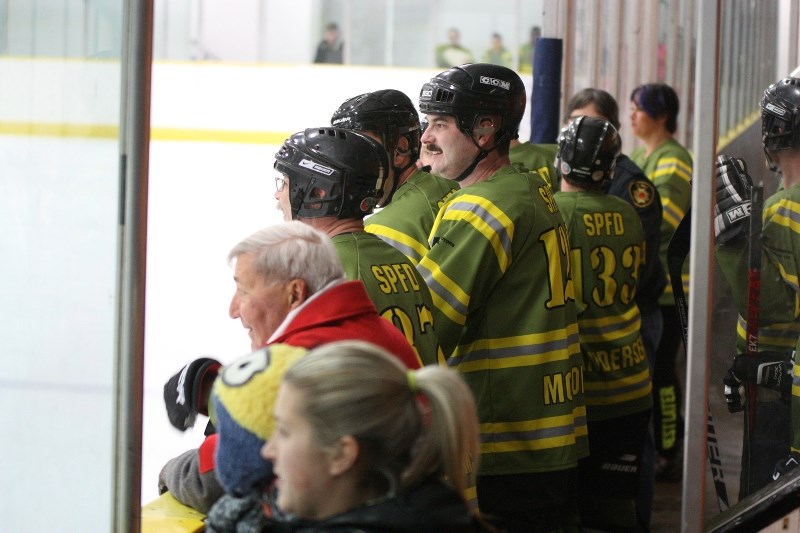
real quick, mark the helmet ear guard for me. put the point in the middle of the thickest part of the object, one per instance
(332, 172)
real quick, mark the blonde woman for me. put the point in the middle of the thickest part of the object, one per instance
(361, 443)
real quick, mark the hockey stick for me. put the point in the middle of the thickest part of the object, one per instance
(753, 302)
(677, 251)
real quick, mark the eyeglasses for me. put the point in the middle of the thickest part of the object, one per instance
(280, 183)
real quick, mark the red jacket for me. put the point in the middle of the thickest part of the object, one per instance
(343, 312)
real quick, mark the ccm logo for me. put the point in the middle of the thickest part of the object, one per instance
(497, 83)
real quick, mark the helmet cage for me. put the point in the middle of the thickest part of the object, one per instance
(346, 192)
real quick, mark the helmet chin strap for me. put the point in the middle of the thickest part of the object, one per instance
(772, 165)
(481, 155)
(471, 167)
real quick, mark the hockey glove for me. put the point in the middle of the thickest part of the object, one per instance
(732, 209)
(734, 391)
(785, 465)
(771, 370)
(186, 393)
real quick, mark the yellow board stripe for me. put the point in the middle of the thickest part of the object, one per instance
(111, 131)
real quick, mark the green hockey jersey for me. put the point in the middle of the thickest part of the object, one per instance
(606, 251)
(779, 312)
(394, 286)
(498, 270)
(669, 167)
(538, 158)
(407, 221)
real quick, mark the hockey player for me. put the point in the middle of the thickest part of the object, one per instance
(654, 114)
(607, 249)
(412, 196)
(330, 179)
(630, 183)
(773, 436)
(498, 269)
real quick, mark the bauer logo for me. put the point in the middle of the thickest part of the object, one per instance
(316, 167)
(497, 83)
(775, 109)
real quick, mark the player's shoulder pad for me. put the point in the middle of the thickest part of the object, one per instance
(641, 193)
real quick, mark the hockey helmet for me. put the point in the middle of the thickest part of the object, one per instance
(780, 115)
(388, 111)
(332, 172)
(473, 90)
(587, 151)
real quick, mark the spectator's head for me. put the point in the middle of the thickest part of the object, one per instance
(483, 102)
(659, 102)
(593, 103)
(780, 118)
(330, 172)
(331, 33)
(453, 36)
(277, 269)
(352, 421)
(587, 151)
(496, 42)
(389, 117)
(536, 32)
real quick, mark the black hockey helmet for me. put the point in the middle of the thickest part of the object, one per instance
(332, 172)
(587, 151)
(780, 115)
(473, 90)
(388, 111)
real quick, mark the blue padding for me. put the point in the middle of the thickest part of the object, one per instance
(546, 97)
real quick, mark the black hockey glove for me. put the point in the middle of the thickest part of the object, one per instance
(785, 465)
(732, 209)
(734, 391)
(186, 393)
(771, 370)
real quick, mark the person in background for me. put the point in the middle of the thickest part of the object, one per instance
(412, 197)
(668, 165)
(630, 184)
(498, 268)
(453, 52)
(362, 443)
(330, 47)
(331, 178)
(526, 51)
(290, 289)
(607, 250)
(497, 54)
(771, 446)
